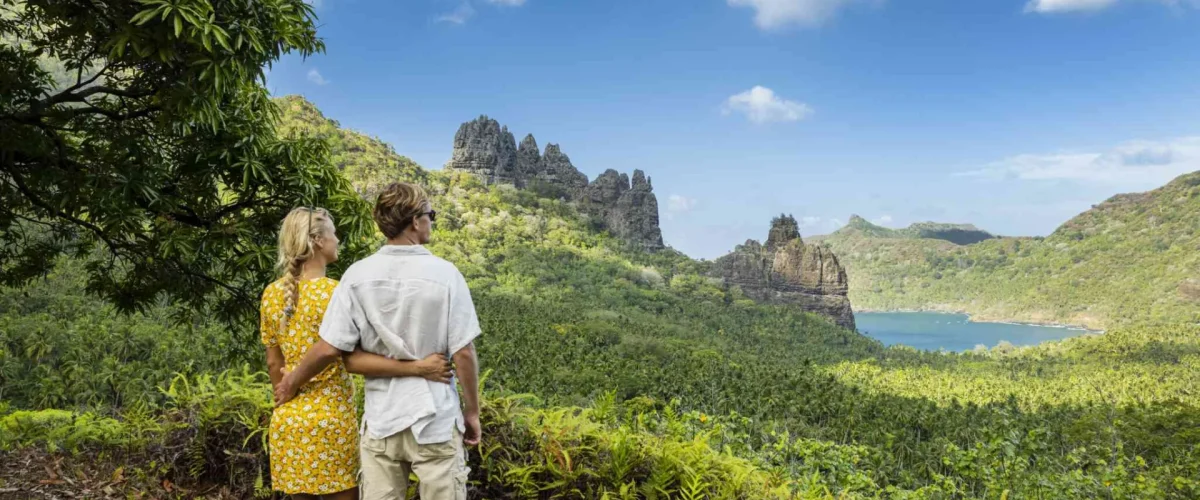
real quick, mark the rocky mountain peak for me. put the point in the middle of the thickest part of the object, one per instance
(788, 271)
(529, 146)
(485, 148)
(529, 159)
(640, 181)
(784, 229)
(628, 207)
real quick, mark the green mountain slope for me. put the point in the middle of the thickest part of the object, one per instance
(1133, 258)
(644, 379)
(366, 161)
(959, 234)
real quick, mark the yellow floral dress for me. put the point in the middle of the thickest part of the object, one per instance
(314, 437)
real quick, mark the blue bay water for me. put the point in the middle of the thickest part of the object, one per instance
(954, 332)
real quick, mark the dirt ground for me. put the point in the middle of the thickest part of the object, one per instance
(30, 474)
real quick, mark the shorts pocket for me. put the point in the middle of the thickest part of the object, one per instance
(372, 445)
(439, 450)
(460, 484)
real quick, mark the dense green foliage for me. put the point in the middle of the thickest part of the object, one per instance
(1132, 259)
(690, 390)
(138, 132)
(609, 450)
(366, 162)
(1145, 365)
(62, 348)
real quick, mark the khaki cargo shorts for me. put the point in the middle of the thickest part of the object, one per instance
(386, 463)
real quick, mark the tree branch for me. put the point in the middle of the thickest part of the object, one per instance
(104, 89)
(34, 117)
(115, 248)
(61, 96)
(240, 205)
(113, 115)
(237, 292)
(35, 200)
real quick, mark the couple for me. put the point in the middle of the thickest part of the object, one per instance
(394, 318)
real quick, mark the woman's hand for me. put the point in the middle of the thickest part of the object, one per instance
(285, 390)
(436, 367)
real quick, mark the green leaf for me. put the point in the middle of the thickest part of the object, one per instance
(142, 17)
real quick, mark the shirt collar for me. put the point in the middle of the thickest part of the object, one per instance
(404, 250)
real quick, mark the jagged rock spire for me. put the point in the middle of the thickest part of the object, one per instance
(486, 149)
(788, 271)
(783, 230)
(628, 207)
(529, 159)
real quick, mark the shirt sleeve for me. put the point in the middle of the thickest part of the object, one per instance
(463, 322)
(339, 328)
(266, 319)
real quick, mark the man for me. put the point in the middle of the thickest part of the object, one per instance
(404, 303)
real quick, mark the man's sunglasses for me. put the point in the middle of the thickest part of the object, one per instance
(432, 215)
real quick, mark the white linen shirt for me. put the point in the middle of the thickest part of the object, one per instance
(404, 303)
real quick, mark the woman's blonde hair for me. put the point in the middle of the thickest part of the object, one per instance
(297, 243)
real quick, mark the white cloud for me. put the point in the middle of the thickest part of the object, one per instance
(459, 15)
(1062, 6)
(884, 220)
(507, 3)
(761, 105)
(809, 221)
(1055, 6)
(679, 203)
(1134, 163)
(315, 77)
(775, 14)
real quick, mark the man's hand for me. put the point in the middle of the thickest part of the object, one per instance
(474, 431)
(436, 367)
(286, 389)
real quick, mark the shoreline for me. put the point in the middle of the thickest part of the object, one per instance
(971, 318)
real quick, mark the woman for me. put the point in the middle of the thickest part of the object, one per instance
(314, 437)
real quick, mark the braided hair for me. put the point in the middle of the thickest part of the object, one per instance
(297, 243)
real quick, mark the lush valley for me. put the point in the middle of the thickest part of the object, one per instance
(658, 353)
(1134, 258)
(129, 368)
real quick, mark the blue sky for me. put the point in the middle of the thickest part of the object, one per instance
(1009, 114)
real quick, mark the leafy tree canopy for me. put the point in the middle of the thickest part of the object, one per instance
(139, 133)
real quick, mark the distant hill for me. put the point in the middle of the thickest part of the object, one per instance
(1135, 257)
(960, 234)
(366, 161)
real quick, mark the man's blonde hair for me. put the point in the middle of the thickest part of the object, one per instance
(397, 206)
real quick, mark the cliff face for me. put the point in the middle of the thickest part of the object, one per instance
(788, 271)
(628, 208)
(487, 149)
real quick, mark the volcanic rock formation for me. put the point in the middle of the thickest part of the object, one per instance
(627, 208)
(787, 271)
